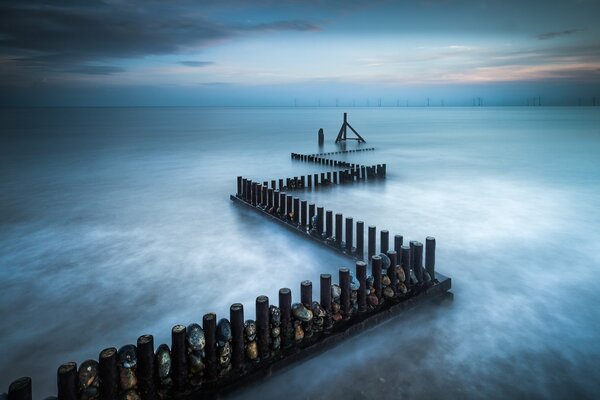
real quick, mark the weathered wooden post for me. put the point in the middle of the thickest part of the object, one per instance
(236, 316)
(405, 256)
(239, 186)
(385, 241)
(320, 220)
(360, 238)
(282, 197)
(67, 381)
(418, 265)
(296, 210)
(335, 177)
(371, 243)
(209, 326)
(349, 238)
(311, 214)
(280, 185)
(178, 357)
(107, 371)
(338, 229)
(262, 327)
(285, 305)
(20, 389)
(361, 276)
(328, 223)
(345, 296)
(145, 366)
(303, 212)
(398, 241)
(306, 293)
(276, 196)
(325, 289)
(376, 271)
(316, 180)
(289, 204)
(269, 198)
(309, 180)
(430, 256)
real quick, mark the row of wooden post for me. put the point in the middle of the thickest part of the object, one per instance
(145, 370)
(343, 151)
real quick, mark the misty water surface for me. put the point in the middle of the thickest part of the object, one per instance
(117, 222)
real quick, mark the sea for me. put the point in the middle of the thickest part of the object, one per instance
(117, 222)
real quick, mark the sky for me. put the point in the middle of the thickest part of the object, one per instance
(303, 53)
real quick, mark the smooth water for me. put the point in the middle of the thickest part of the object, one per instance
(117, 222)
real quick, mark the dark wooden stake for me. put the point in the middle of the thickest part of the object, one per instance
(209, 326)
(285, 306)
(145, 366)
(384, 241)
(236, 317)
(178, 357)
(361, 275)
(108, 374)
(371, 243)
(328, 223)
(325, 287)
(20, 389)
(67, 381)
(398, 241)
(349, 238)
(376, 271)
(320, 219)
(338, 229)
(306, 293)
(360, 240)
(391, 272)
(430, 256)
(262, 326)
(345, 296)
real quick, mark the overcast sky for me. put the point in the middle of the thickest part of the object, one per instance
(185, 52)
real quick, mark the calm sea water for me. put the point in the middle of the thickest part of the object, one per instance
(117, 222)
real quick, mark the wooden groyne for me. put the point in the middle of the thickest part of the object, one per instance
(218, 355)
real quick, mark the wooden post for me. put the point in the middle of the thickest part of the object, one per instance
(398, 239)
(328, 223)
(360, 239)
(289, 205)
(376, 271)
(306, 293)
(303, 213)
(418, 265)
(338, 229)
(371, 243)
(67, 381)
(345, 296)
(107, 366)
(430, 256)
(285, 306)
(320, 220)
(178, 357)
(361, 275)
(145, 366)
(20, 389)
(311, 214)
(405, 252)
(239, 186)
(349, 238)
(282, 197)
(325, 288)
(236, 316)
(384, 241)
(209, 326)
(262, 326)
(296, 210)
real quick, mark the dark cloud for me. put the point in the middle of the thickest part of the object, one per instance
(68, 35)
(552, 35)
(196, 63)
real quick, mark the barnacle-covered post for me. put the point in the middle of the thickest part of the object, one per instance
(384, 241)
(345, 295)
(178, 357)
(128, 382)
(262, 326)
(361, 275)
(145, 368)
(107, 365)
(20, 389)
(209, 326)
(325, 299)
(236, 315)
(430, 257)
(67, 381)
(250, 339)
(285, 306)
(162, 361)
(224, 346)
(371, 243)
(360, 239)
(275, 328)
(376, 271)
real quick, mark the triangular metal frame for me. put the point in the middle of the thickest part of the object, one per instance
(342, 135)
